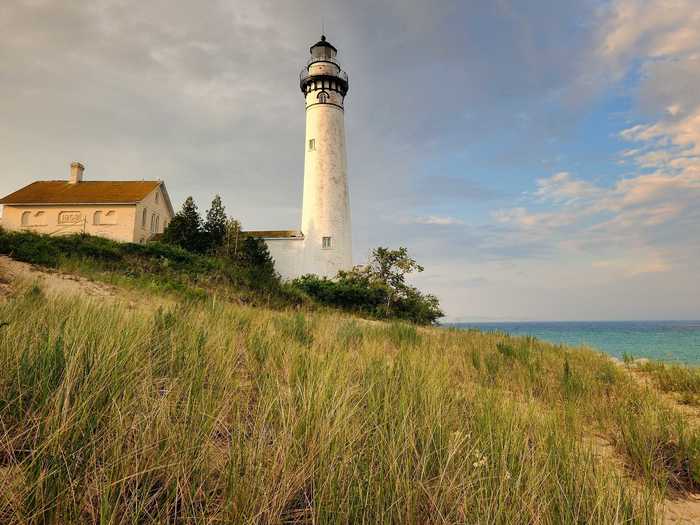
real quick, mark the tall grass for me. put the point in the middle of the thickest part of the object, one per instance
(215, 413)
(673, 378)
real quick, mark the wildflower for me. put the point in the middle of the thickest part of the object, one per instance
(481, 460)
(480, 463)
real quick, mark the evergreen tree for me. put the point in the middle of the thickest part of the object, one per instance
(256, 258)
(215, 225)
(186, 229)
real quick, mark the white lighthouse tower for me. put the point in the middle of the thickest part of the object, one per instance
(325, 219)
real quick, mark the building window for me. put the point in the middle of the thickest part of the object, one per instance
(326, 242)
(143, 218)
(322, 97)
(25, 218)
(312, 144)
(39, 219)
(157, 224)
(157, 197)
(97, 218)
(110, 217)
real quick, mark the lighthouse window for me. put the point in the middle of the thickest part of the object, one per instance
(326, 242)
(312, 144)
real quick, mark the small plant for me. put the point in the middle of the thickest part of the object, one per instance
(403, 334)
(492, 364)
(572, 384)
(34, 292)
(657, 442)
(259, 347)
(514, 352)
(476, 359)
(350, 335)
(627, 358)
(298, 328)
(674, 378)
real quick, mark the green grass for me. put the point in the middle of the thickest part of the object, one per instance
(209, 412)
(673, 378)
(152, 268)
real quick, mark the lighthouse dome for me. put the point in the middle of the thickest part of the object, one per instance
(323, 50)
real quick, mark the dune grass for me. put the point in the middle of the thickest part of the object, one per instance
(676, 379)
(215, 413)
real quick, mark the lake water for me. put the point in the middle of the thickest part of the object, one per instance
(676, 341)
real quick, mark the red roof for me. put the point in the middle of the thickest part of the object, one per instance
(88, 192)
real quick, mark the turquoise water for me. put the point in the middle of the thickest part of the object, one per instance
(676, 341)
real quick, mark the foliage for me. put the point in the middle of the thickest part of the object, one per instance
(215, 225)
(673, 378)
(255, 258)
(221, 413)
(167, 267)
(391, 267)
(232, 240)
(186, 229)
(378, 289)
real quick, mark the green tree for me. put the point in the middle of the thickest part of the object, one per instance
(186, 229)
(378, 289)
(233, 239)
(255, 257)
(215, 224)
(391, 267)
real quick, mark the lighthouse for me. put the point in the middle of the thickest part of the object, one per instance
(323, 244)
(325, 218)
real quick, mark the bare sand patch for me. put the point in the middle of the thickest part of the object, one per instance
(51, 281)
(14, 274)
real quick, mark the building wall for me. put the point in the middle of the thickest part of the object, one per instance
(156, 213)
(326, 207)
(287, 254)
(117, 222)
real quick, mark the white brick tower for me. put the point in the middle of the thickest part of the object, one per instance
(325, 219)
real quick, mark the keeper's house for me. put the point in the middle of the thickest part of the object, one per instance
(127, 211)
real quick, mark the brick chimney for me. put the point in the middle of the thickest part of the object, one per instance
(76, 173)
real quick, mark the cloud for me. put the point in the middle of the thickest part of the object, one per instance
(435, 220)
(562, 187)
(453, 106)
(641, 222)
(648, 28)
(625, 268)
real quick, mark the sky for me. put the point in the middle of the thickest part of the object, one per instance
(540, 159)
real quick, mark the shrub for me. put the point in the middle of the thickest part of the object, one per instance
(356, 291)
(157, 265)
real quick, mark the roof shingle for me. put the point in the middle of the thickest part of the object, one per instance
(88, 192)
(275, 234)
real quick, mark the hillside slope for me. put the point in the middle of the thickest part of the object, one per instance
(119, 407)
